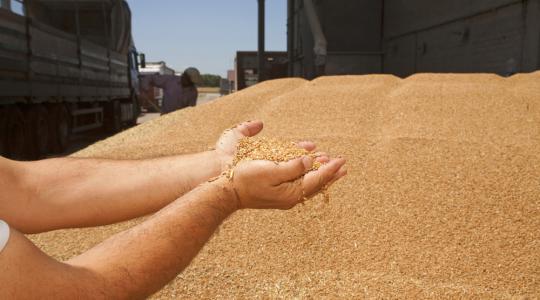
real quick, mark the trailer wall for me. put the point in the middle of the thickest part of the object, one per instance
(40, 63)
(403, 37)
(499, 36)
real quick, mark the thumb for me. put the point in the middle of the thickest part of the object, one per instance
(293, 169)
(250, 128)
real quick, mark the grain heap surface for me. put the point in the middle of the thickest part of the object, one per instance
(442, 197)
(192, 129)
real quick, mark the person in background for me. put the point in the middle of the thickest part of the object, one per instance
(178, 91)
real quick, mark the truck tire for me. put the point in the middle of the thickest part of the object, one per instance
(38, 131)
(64, 128)
(59, 128)
(3, 132)
(113, 117)
(16, 133)
(136, 113)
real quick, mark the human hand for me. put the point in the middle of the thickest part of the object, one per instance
(226, 145)
(267, 185)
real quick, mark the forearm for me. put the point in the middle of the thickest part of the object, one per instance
(140, 261)
(70, 192)
(129, 265)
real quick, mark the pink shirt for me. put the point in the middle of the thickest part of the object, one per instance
(175, 96)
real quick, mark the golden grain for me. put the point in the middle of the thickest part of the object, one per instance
(442, 199)
(272, 149)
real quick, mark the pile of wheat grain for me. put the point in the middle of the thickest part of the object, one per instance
(271, 149)
(442, 197)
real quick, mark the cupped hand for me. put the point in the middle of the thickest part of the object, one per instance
(226, 144)
(264, 184)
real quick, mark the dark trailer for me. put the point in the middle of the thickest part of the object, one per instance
(246, 66)
(65, 66)
(402, 37)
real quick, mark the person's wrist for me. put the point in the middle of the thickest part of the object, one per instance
(215, 162)
(227, 195)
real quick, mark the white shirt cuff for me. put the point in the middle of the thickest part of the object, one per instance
(4, 234)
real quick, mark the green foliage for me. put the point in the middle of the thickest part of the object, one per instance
(210, 80)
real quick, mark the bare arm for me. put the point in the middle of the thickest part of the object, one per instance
(68, 192)
(132, 264)
(138, 262)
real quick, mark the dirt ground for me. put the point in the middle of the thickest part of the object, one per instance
(442, 199)
(208, 90)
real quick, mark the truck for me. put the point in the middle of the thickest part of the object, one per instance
(66, 66)
(246, 67)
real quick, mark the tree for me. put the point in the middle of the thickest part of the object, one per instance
(210, 80)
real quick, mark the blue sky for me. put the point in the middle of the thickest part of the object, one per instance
(204, 33)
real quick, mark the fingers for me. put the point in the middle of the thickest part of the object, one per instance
(340, 173)
(293, 169)
(314, 181)
(322, 157)
(309, 146)
(249, 128)
(296, 192)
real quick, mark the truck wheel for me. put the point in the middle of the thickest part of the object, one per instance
(59, 128)
(38, 130)
(113, 117)
(3, 132)
(64, 128)
(136, 113)
(16, 133)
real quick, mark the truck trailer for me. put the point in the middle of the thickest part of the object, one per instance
(404, 37)
(65, 67)
(246, 67)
